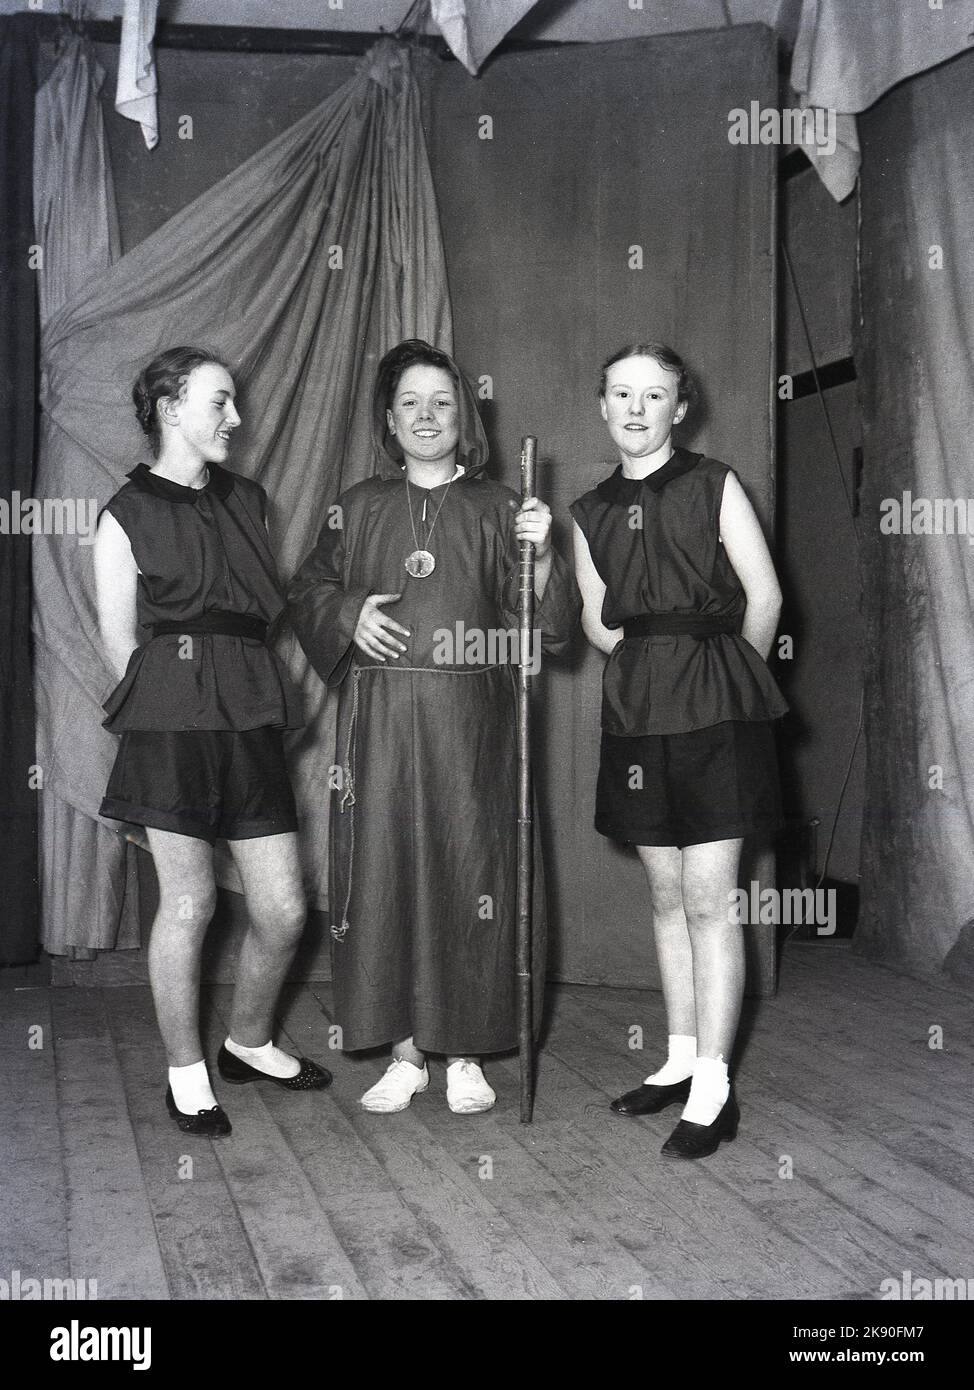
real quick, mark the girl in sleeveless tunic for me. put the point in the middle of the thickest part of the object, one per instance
(182, 555)
(680, 592)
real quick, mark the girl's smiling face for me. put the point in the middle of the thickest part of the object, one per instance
(204, 412)
(425, 415)
(640, 406)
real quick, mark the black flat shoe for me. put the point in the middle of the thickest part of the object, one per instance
(311, 1077)
(691, 1140)
(206, 1122)
(647, 1099)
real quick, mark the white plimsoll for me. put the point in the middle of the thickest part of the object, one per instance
(396, 1088)
(467, 1091)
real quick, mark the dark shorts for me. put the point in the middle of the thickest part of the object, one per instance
(719, 783)
(208, 783)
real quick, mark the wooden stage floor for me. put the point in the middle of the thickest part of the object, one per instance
(312, 1198)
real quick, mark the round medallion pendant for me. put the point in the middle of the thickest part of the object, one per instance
(419, 564)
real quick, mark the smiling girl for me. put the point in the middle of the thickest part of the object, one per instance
(186, 589)
(423, 833)
(679, 591)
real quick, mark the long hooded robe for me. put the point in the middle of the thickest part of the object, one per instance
(423, 841)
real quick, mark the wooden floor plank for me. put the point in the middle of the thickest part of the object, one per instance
(111, 1229)
(830, 1152)
(592, 1227)
(312, 1197)
(387, 1245)
(564, 1236)
(443, 1195)
(741, 1255)
(33, 1201)
(202, 1242)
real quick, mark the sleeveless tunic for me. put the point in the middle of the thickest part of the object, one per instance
(655, 543)
(200, 553)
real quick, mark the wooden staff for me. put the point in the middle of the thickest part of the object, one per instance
(525, 817)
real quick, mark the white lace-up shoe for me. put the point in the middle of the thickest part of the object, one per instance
(396, 1089)
(467, 1091)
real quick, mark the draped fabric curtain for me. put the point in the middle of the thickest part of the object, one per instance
(18, 392)
(77, 227)
(846, 56)
(915, 365)
(300, 268)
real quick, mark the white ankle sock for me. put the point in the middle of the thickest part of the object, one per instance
(191, 1089)
(708, 1092)
(268, 1058)
(679, 1062)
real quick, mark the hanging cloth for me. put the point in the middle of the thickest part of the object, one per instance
(76, 226)
(135, 94)
(300, 268)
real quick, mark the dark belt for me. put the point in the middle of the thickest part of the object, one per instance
(217, 620)
(679, 624)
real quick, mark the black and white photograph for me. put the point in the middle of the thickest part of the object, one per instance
(487, 670)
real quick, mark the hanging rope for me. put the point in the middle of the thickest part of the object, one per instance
(855, 527)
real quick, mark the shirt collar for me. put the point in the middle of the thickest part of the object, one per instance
(220, 484)
(458, 472)
(617, 488)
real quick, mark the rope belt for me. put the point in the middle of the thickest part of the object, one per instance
(680, 624)
(217, 620)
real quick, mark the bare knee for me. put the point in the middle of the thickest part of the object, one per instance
(280, 922)
(191, 907)
(706, 911)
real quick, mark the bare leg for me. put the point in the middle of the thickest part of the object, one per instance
(405, 1051)
(271, 874)
(664, 870)
(187, 897)
(717, 943)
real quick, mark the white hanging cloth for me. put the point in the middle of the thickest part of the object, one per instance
(474, 28)
(135, 95)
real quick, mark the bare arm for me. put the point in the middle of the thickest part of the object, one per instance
(748, 552)
(116, 584)
(593, 593)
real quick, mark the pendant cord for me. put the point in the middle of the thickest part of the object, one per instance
(436, 518)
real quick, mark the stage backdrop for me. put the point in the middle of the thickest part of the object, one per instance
(916, 373)
(598, 156)
(300, 268)
(594, 151)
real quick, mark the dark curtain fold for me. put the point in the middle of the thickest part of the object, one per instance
(915, 363)
(18, 395)
(76, 226)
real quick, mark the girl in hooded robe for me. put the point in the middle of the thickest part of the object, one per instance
(409, 607)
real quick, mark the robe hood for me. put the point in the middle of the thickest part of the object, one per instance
(472, 449)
